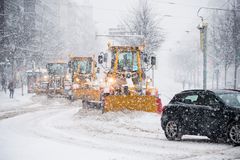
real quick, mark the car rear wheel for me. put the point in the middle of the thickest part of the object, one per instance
(172, 130)
(234, 133)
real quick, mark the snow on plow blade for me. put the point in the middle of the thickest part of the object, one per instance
(57, 93)
(87, 94)
(137, 103)
(57, 96)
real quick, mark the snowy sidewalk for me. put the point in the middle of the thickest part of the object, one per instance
(18, 100)
(25, 103)
(18, 105)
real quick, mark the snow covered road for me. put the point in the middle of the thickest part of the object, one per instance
(62, 131)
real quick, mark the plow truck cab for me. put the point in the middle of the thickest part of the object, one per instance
(58, 80)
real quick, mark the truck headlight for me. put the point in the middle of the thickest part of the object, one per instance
(45, 78)
(67, 77)
(111, 80)
(75, 86)
(77, 79)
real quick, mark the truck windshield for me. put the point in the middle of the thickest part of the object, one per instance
(127, 61)
(82, 66)
(56, 68)
(231, 99)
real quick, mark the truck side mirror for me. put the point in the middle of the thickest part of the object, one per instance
(69, 66)
(145, 59)
(100, 59)
(98, 70)
(153, 61)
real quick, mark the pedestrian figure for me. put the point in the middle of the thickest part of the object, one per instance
(5, 88)
(11, 89)
(3, 82)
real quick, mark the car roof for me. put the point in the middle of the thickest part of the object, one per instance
(195, 90)
(216, 91)
(226, 91)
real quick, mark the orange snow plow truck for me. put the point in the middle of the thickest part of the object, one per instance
(83, 75)
(125, 85)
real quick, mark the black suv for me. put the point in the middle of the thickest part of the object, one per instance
(215, 114)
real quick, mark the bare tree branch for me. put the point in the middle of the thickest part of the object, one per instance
(142, 21)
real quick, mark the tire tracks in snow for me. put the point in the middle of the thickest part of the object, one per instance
(45, 124)
(59, 123)
(38, 103)
(21, 110)
(78, 139)
(140, 146)
(222, 154)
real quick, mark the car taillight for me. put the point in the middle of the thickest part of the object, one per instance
(159, 105)
(163, 109)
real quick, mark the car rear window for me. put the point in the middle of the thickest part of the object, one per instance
(231, 99)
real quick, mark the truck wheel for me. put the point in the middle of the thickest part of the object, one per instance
(173, 130)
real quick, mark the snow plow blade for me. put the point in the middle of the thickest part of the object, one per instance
(135, 102)
(86, 94)
(57, 93)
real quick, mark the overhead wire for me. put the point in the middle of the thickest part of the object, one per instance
(164, 2)
(186, 5)
(223, 5)
(175, 3)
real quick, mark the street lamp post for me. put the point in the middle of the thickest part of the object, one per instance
(203, 45)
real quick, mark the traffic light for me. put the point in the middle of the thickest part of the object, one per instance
(145, 58)
(153, 61)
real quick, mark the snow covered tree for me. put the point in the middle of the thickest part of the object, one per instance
(186, 63)
(221, 43)
(142, 21)
(225, 39)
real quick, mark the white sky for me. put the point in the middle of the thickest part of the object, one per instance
(183, 13)
(179, 23)
(178, 16)
(108, 13)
